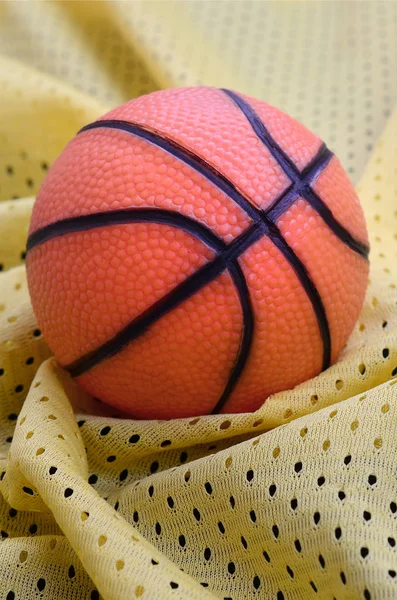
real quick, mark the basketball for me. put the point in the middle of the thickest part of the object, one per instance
(195, 251)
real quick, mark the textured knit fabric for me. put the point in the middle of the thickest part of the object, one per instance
(297, 500)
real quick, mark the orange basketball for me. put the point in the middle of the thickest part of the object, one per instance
(194, 251)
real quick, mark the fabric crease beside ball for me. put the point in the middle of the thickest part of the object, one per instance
(196, 250)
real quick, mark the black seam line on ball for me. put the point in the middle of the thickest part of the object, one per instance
(174, 298)
(322, 209)
(248, 331)
(287, 165)
(312, 293)
(297, 188)
(297, 177)
(125, 217)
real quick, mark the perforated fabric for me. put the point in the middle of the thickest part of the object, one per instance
(295, 501)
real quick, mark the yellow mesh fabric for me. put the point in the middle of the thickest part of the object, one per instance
(295, 501)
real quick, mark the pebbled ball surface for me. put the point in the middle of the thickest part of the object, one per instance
(114, 275)
(86, 286)
(168, 380)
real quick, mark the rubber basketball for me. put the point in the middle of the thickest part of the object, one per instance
(194, 251)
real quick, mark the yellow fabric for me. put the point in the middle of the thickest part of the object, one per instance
(295, 501)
